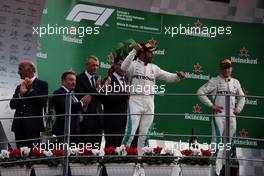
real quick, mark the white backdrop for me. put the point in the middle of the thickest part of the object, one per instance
(17, 42)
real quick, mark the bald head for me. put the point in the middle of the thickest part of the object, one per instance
(92, 65)
(26, 69)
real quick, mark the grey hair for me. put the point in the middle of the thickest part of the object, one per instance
(92, 57)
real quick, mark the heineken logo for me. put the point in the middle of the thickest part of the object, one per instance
(105, 65)
(40, 54)
(38, 45)
(244, 52)
(243, 57)
(197, 67)
(197, 109)
(197, 70)
(243, 133)
(111, 57)
(198, 24)
(245, 142)
(88, 12)
(72, 39)
(198, 30)
(249, 100)
(197, 76)
(153, 42)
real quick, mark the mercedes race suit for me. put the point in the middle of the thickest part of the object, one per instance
(141, 102)
(218, 86)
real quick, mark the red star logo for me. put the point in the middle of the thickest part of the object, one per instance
(198, 24)
(110, 57)
(197, 108)
(152, 41)
(244, 52)
(197, 67)
(243, 133)
(38, 45)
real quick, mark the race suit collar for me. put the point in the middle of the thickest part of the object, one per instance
(226, 79)
(142, 62)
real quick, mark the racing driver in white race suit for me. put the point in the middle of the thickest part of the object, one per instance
(141, 74)
(222, 84)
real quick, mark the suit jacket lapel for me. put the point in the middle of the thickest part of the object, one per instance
(87, 81)
(34, 82)
(62, 90)
(114, 78)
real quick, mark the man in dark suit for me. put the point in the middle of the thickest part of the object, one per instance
(88, 82)
(28, 128)
(114, 104)
(68, 81)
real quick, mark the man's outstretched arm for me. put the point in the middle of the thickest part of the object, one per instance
(169, 77)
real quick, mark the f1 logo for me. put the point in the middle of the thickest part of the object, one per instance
(89, 12)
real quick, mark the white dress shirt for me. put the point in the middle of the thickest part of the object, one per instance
(89, 76)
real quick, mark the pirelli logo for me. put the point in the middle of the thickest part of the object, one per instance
(88, 12)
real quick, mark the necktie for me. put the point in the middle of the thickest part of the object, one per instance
(122, 80)
(74, 99)
(92, 81)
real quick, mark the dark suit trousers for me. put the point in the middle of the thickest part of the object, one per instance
(91, 127)
(114, 125)
(23, 135)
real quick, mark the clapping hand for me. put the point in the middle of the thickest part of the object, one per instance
(25, 86)
(108, 81)
(86, 100)
(98, 83)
